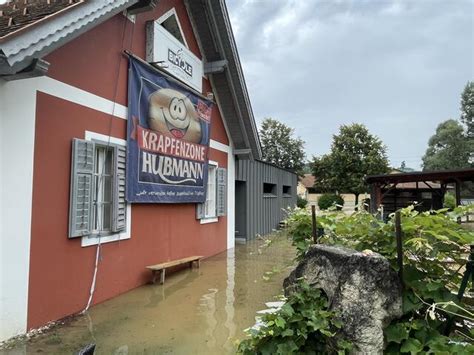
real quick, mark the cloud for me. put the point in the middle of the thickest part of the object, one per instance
(397, 66)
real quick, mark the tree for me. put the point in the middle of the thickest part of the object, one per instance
(467, 108)
(280, 147)
(448, 148)
(354, 154)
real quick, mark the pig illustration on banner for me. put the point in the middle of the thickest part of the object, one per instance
(174, 115)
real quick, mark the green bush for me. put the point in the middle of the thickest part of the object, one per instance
(435, 249)
(303, 325)
(299, 227)
(329, 200)
(449, 201)
(301, 202)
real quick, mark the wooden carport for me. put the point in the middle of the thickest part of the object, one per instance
(387, 182)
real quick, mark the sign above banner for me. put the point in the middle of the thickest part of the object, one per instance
(173, 56)
(167, 139)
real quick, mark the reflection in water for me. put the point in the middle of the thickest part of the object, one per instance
(209, 306)
(229, 304)
(199, 311)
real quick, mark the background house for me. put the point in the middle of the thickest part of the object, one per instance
(307, 190)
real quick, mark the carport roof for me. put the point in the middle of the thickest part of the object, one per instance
(443, 176)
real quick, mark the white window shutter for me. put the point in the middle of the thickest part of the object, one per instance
(82, 170)
(120, 205)
(221, 191)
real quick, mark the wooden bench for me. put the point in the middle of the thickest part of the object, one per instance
(161, 268)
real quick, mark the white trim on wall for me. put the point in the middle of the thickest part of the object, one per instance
(81, 97)
(230, 196)
(219, 146)
(207, 220)
(17, 131)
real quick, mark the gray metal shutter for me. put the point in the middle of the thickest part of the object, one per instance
(82, 169)
(221, 203)
(120, 204)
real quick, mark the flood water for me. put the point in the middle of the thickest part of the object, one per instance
(196, 311)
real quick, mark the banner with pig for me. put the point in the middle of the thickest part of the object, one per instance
(167, 139)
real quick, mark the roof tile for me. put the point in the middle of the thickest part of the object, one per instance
(15, 15)
(307, 180)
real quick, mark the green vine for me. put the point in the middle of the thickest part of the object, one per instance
(436, 249)
(302, 325)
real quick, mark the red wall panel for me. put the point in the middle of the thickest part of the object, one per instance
(60, 269)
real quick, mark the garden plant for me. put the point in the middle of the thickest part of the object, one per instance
(328, 200)
(435, 253)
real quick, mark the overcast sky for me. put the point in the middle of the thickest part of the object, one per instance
(399, 67)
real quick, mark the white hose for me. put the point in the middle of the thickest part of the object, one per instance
(91, 292)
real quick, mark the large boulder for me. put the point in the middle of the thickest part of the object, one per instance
(361, 287)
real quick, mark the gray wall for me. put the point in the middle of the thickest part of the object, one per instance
(256, 212)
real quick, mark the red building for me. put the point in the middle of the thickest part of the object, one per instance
(64, 77)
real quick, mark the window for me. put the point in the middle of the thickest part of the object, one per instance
(286, 191)
(216, 195)
(97, 204)
(210, 204)
(102, 190)
(269, 190)
(426, 195)
(170, 22)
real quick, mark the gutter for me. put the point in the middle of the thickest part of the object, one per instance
(225, 43)
(229, 79)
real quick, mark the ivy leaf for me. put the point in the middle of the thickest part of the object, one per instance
(327, 333)
(433, 286)
(337, 323)
(287, 333)
(411, 274)
(288, 347)
(410, 302)
(280, 322)
(412, 346)
(396, 333)
(438, 345)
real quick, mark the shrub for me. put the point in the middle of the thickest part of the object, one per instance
(299, 226)
(329, 200)
(303, 325)
(301, 202)
(435, 249)
(449, 201)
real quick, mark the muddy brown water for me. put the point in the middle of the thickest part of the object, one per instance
(200, 311)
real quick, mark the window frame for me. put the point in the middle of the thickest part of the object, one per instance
(286, 193)
(270, 194)
(94, 238)
(167, 15)
(208, 218)
(98, 205)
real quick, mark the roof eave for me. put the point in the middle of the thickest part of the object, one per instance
(211, 23)
(23, 49)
